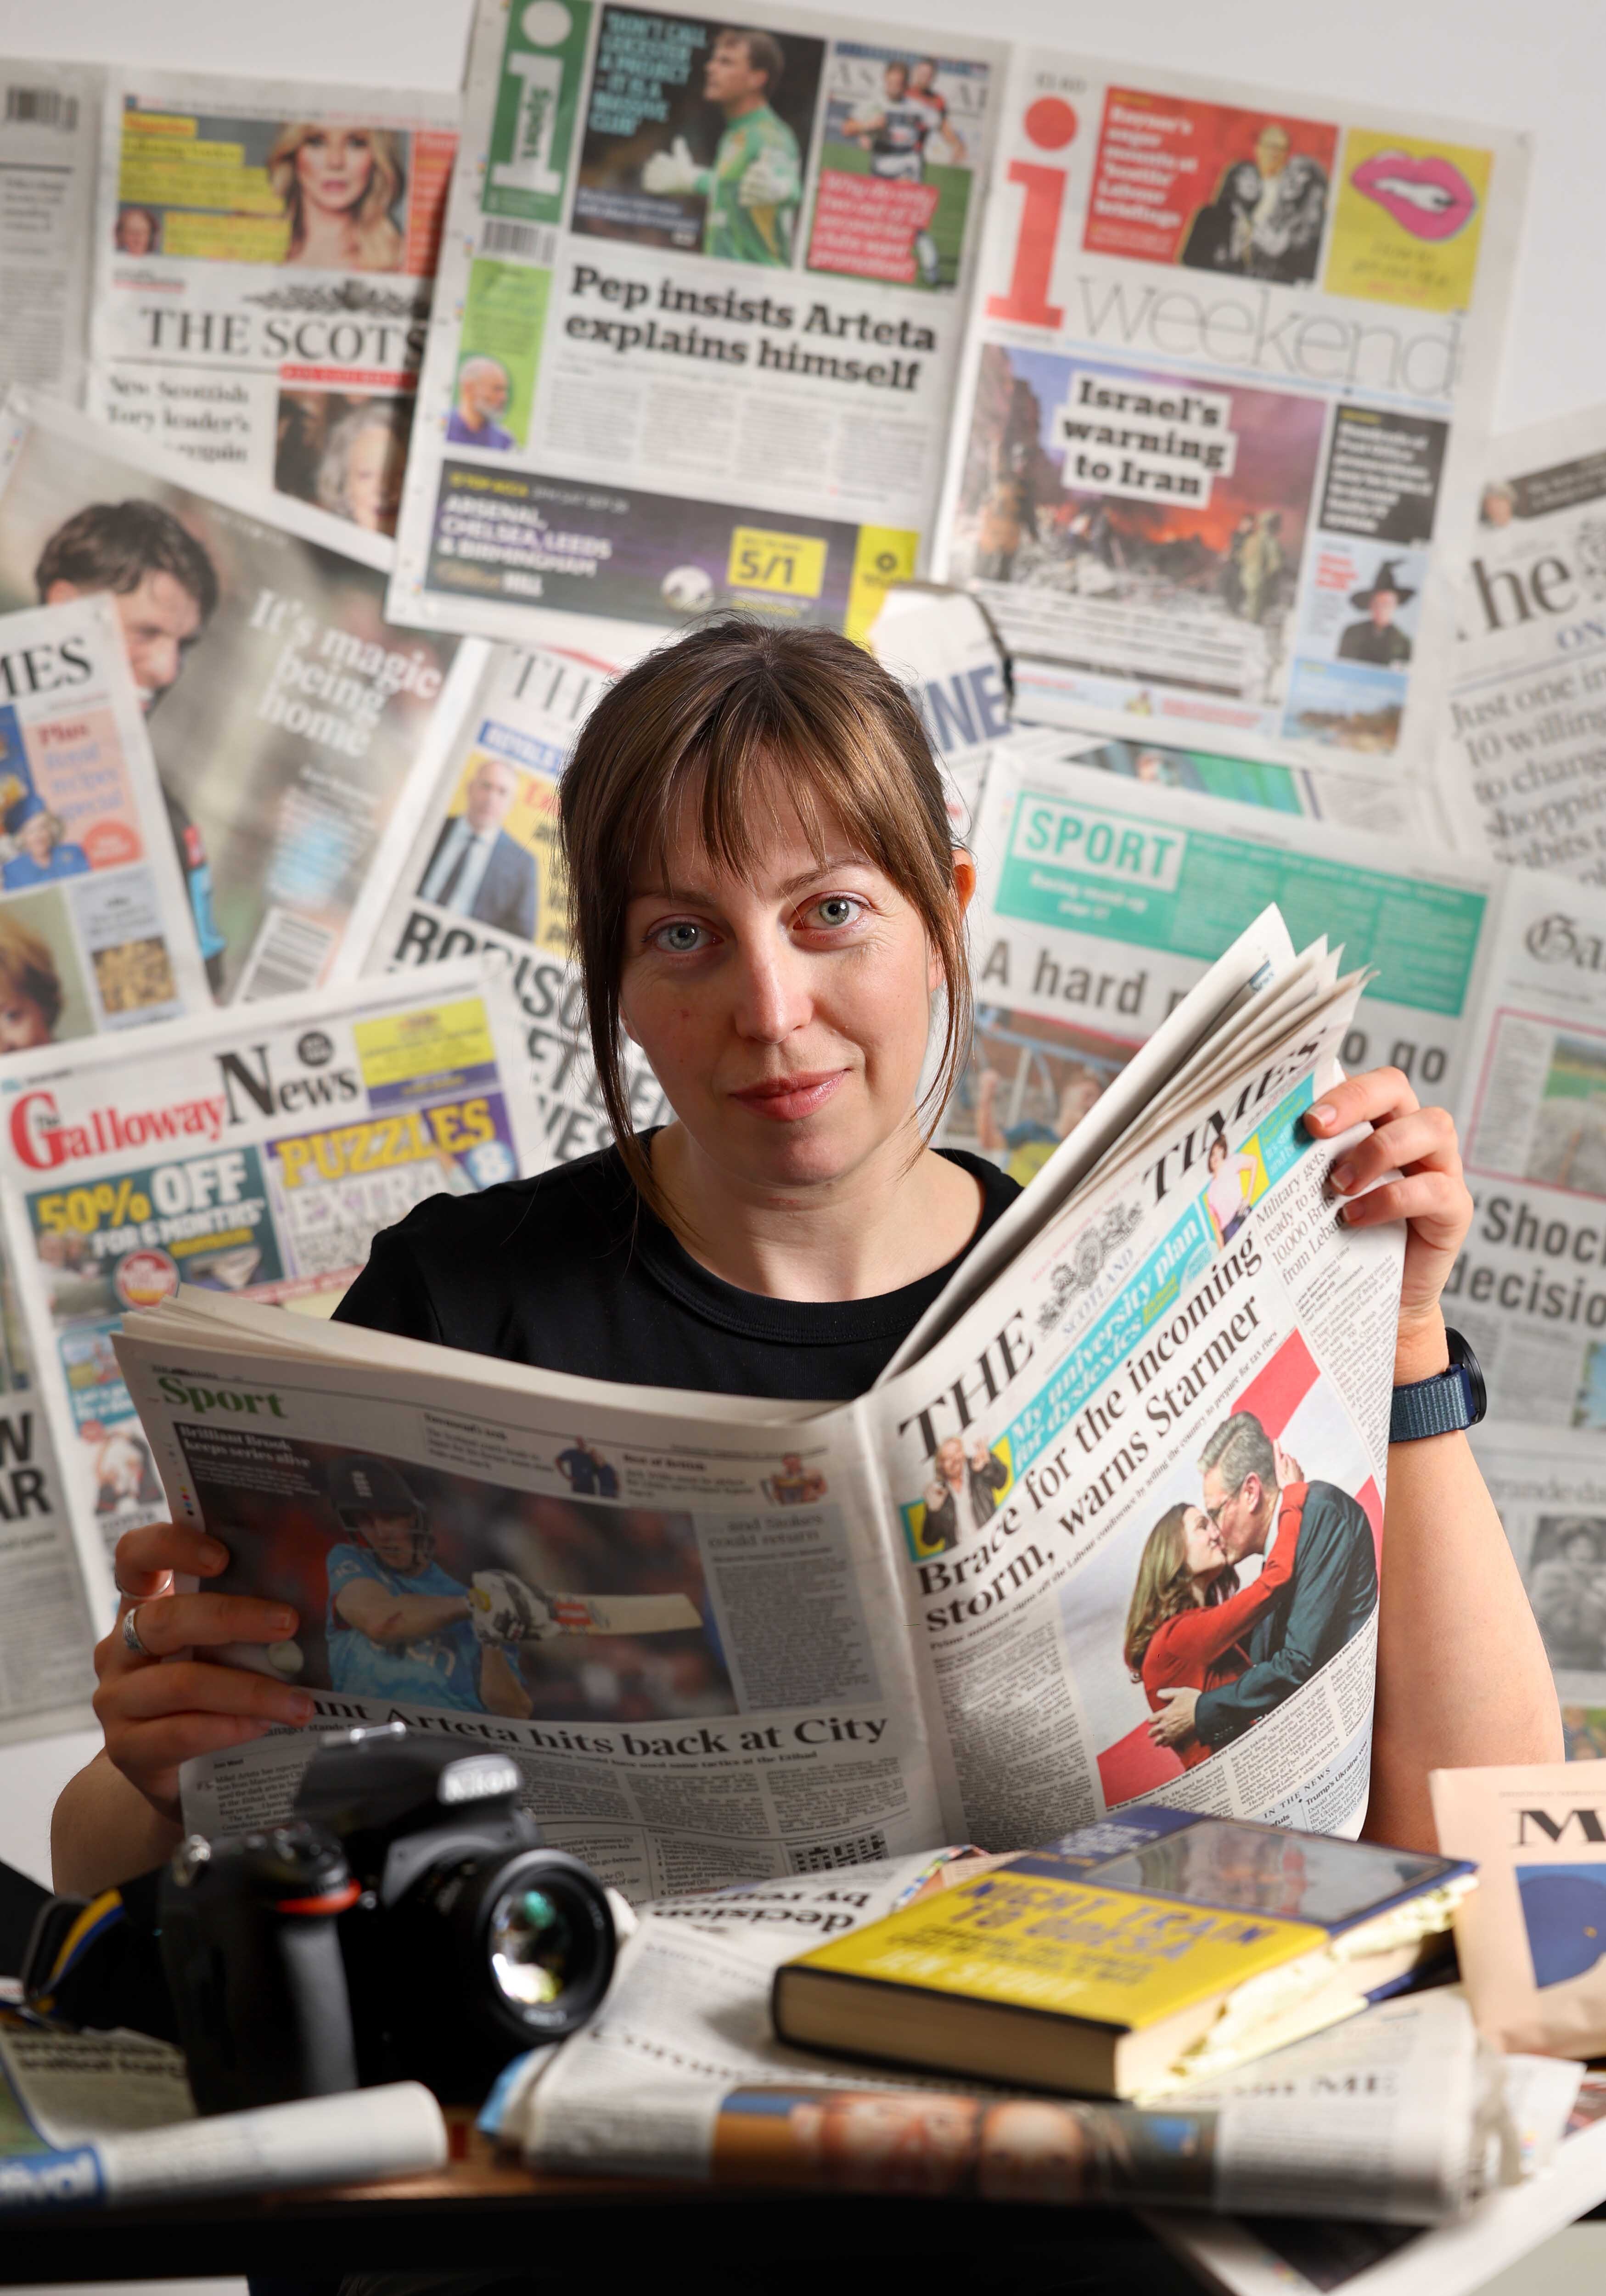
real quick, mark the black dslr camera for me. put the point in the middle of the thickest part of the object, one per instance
(406, 1923)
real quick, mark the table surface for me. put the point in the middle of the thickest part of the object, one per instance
(481, 2210)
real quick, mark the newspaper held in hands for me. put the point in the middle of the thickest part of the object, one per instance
(286, 716)
(50, 120)
(263, 259)
(918, 1614)
(1522, 765)
(249, 1161)
(484, 874)
(702, 291)
(1231, 366)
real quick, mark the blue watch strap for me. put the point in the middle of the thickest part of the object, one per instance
(1446, 1404)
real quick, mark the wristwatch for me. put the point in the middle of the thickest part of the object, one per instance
(1450, 1400)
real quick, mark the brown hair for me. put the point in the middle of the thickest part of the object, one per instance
(27, 969)
(1164, 1585)
(708, 717)
(114, 545)
(764, 54)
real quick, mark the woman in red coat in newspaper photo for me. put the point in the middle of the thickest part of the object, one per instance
(768, 899)
(1183, 1631)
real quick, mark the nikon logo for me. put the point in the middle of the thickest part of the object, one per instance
(201, 1400)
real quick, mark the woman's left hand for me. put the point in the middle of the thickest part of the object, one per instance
(1431, 1196)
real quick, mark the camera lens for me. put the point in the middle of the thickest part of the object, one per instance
(533, 1946)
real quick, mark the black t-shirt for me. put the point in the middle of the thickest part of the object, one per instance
(570, 1271)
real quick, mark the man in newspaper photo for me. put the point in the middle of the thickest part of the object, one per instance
(164, 588)
(754, 187)
(477, 870)
(1324, 1589)
(896, 131)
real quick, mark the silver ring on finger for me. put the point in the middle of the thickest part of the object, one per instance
(131, 1633)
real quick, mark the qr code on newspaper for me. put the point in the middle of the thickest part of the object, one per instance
(824, 1857)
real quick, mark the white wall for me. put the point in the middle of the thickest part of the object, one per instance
(1542, 67)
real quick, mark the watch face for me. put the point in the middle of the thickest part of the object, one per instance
(1464, 1360)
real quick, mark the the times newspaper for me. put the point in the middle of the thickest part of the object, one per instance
(1229, 379)
(702, 291)
(263, 259)
(1530, 1288)
(484, 876)
(1522, 757)
(680, 2074)
(285, 714)
(727, 1640)
(253, 1154)
(1100, 903)
(1550, 1487)
(50, 122)
(94, 933)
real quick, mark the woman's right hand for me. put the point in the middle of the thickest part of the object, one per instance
(155, 1716)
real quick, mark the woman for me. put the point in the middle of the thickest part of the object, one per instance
(42, 851)
(360, 469)
(338, 185)
(30, 989)
(766, 901)
(1227, 1189)
(1189, 1620)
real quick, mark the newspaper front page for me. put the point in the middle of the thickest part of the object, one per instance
(285, 713)
(1099, 905)
(1530, 1288)
(253, 1155)
(1523, 757)
(50, 120)
(47, 1673)
(1230, 374)
(262, 260)
(1550, 1487)
(702, 296)
(484, 876)
(94, 928)
(730, 1639)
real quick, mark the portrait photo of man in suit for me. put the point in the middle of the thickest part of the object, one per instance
(476, 869)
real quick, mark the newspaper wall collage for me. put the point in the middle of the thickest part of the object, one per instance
(352, 440)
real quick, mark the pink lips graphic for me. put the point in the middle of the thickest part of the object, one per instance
(1430, 197)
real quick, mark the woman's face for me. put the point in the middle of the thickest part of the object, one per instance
(1218, 1153)
(334, 167)
(22, 1022)
(371, 474)
(1201, 1547)
(786, 1015)
(39, 839)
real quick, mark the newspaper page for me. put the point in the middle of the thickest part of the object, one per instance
(680, 2073)
(1523, 757)
(702, 296)
(47, 1673)
(1098, 907)
(50, 117)
(1293, 2256)
(1529, 1289)
(485, 875)
(1230, 373)
(94, 930)
(1379, 809)
(941, 645)
(1198, 1324)
(285, 713)
(1548, 1484)
(262, 260)
(254, 1156)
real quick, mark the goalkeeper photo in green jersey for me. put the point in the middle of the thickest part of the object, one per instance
(752, 191)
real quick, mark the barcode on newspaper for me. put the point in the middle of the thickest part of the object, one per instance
(824, 1857)
(289, 954)
(41, 107)
(528, 240)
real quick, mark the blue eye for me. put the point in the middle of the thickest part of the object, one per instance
(837, 909)
(679, 939)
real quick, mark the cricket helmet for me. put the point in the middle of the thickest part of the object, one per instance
(360, 1486)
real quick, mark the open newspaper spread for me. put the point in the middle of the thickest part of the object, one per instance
(94, 928)
(1530, 1288)
(50, 123)
(1229, 374)
(483, 875)
(263, 258)
(701, 297)
(1099, 904)
(252, 1154)
(1522, 757)
(285, 713)
(727, 1638)
(1395, 2115)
